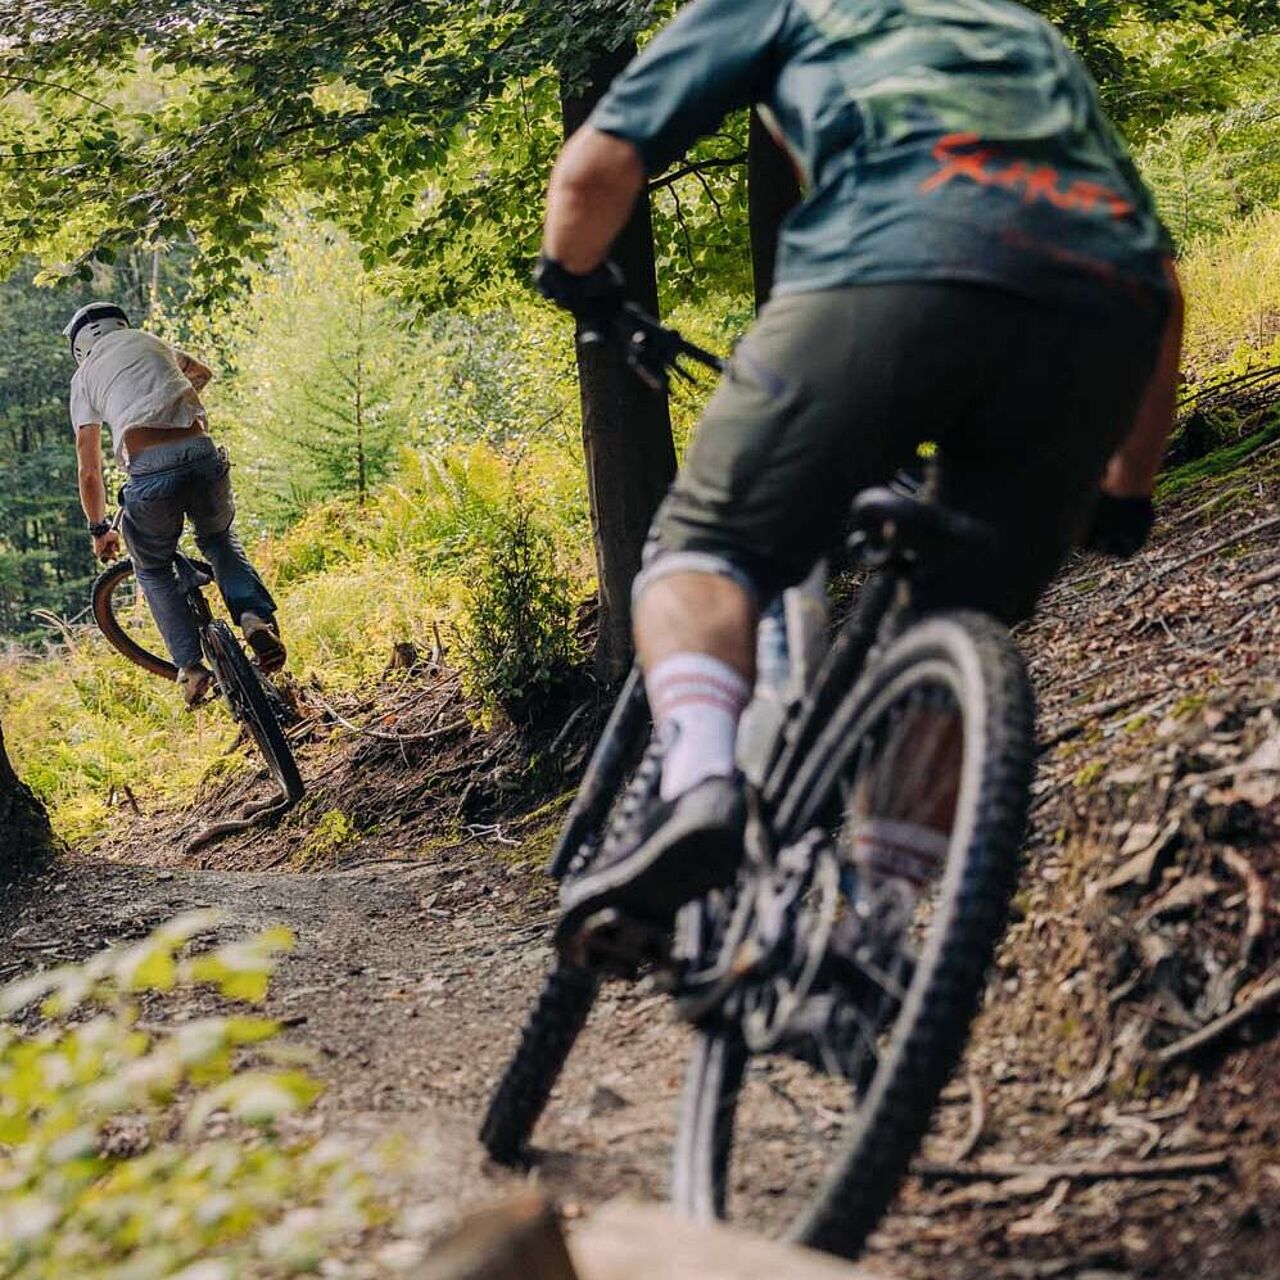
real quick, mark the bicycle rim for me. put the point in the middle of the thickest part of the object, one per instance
(809, 1134)
(244, 691)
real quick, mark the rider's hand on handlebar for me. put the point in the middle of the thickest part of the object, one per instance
(594, 298)
(1120, 526)
(107, 547)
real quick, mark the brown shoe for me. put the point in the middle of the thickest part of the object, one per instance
(194, 682)
(264, 640)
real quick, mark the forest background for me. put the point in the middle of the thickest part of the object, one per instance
(337, 206)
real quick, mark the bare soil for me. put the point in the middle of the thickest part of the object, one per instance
(1147, 912)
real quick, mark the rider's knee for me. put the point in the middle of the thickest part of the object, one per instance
(661, 565)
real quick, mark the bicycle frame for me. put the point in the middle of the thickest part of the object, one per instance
(194, 576)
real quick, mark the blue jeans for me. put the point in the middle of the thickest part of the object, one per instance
(167, 484)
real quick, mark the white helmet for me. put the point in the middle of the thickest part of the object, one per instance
(91, 323)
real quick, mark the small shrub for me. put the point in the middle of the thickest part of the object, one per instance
(517, 639)
(333, 833)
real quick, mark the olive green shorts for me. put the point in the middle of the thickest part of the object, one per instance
(832, 392)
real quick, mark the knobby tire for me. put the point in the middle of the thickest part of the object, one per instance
(570, 990)
(248, 698)
(104, 615)
(548, 1038)
(932, 1026)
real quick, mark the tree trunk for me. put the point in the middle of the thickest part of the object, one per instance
(772, 192)
(26, 837)
(626, 428)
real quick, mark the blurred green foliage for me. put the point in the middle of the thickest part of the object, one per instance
(132, 1149)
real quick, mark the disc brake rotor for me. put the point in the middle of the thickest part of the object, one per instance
(796, 908)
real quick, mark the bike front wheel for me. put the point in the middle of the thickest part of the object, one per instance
(251, 703)
(822, 1071)
(620, 769)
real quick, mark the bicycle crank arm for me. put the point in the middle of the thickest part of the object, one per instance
(617, 945)
(700, 995)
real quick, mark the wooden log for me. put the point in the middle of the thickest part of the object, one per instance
(626, 1242)
(517, 1240)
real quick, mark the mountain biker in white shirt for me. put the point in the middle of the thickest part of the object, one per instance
(147, 392)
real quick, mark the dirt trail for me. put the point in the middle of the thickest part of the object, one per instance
(1153, 854)
(410, 984)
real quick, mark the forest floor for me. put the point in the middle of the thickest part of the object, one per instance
(1087, 1136)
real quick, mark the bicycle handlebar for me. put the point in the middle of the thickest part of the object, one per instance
(652, 351)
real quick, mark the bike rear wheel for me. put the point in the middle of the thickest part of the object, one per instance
(827, 1089)
(251, 703)
(109, 613)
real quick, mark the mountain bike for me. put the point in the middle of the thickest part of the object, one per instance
(252, 699)
(830, 1008)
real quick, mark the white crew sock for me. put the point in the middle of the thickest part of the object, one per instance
(697, 702)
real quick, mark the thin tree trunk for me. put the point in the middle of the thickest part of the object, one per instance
(26, 838)
(626, 428)
(153, 298)
(362, 478)
(772, 192)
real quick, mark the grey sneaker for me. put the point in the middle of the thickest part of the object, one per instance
(264, 640)
(194, 682)
(670, 853)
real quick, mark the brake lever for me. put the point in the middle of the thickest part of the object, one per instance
(652, 351)
(655, 380)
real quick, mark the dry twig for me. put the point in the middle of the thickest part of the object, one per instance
(1088, 716)
(1259, 901)
(260, 813)
(977, 1121)
(1263, 579)
(1080, 1171)
(1262, 526)
(381, 736)
(1262, 999)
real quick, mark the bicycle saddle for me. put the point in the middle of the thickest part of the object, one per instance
(894, 519)
(193, 574)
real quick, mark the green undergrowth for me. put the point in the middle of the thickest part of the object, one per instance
(140, 1142)
(435, 555)
(483, 544)
(1224, 461)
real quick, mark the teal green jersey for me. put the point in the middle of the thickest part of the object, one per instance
(937, 140)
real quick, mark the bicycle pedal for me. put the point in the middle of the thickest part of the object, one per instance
(614, 943)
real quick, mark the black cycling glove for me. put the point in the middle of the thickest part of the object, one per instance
(1120, 526)
(594, 298)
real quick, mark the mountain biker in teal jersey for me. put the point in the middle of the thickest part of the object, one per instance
(976, 262)
(147, 392)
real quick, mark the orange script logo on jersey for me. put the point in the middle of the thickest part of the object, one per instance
(964, 156)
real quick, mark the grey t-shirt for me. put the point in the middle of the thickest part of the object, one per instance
(940, 140)
(133, 379)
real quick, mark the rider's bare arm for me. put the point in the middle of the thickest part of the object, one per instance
(1133, 469)
(594, 187)
(198, 374)
(93, 490)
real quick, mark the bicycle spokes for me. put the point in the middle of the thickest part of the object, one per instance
(837, 926)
